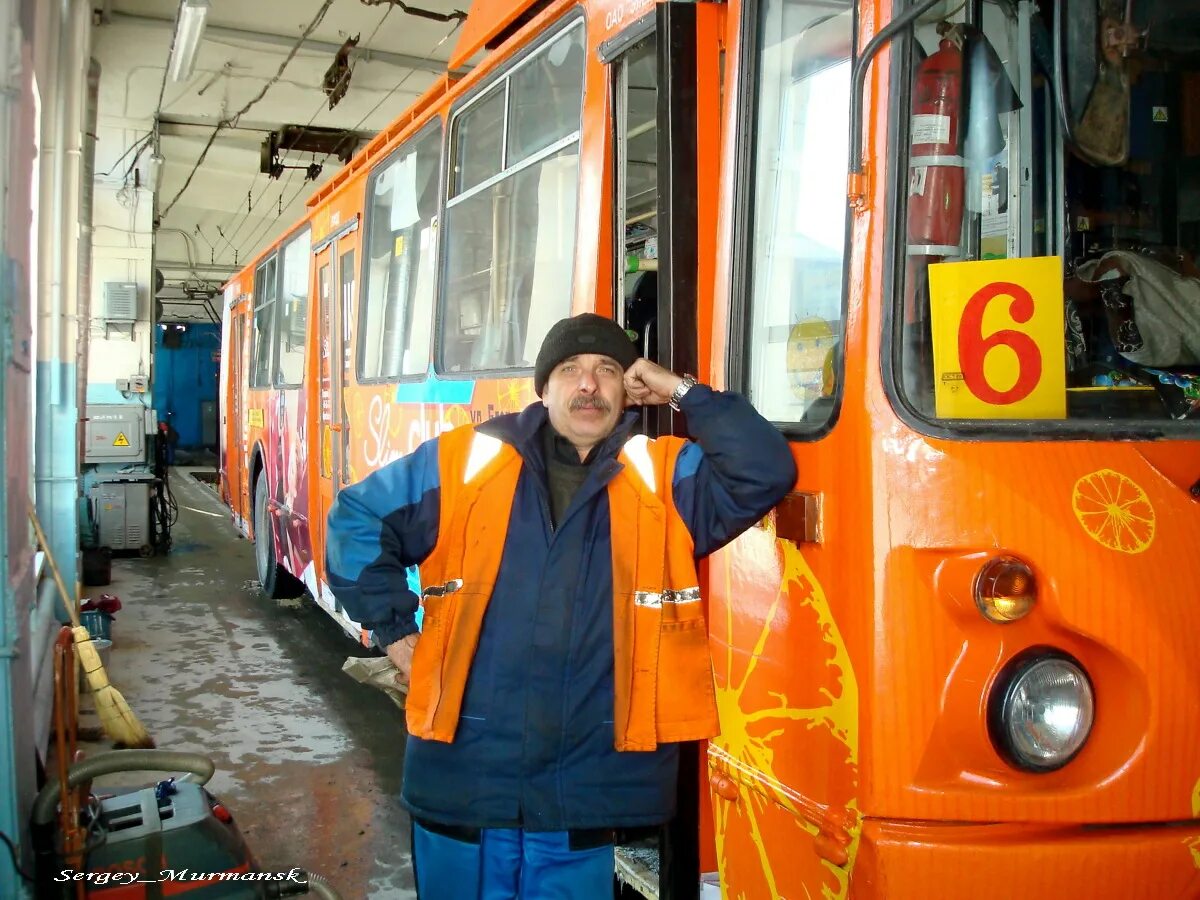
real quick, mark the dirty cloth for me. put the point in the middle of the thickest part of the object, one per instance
(377, 671)
(1166, 308)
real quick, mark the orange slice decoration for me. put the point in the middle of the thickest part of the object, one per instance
(1114, 511)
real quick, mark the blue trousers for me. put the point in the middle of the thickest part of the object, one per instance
(510, 864)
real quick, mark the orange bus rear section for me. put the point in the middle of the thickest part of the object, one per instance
(854, 669)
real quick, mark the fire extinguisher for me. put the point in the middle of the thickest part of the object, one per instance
(936, 174)
(936, 191)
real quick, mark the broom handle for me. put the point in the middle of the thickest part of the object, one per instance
(62, 588)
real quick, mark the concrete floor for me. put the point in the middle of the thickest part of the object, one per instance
(308, 761)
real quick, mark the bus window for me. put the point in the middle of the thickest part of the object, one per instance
(397, 308)
(798, 219)
(543, 98)
(479, 141)
(264, 323)
(510, 239)
(637, 191)
(293, 312)
(992, 175)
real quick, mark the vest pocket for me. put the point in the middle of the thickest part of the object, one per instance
(425, 687)
(685, 684)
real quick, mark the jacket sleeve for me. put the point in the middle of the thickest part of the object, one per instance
(377, 529)
(735, 468)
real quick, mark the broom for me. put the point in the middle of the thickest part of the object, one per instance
(116, 718)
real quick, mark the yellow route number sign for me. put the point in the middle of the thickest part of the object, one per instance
(255, 417)
(998, 348)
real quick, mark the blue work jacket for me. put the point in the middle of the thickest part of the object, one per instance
(534, 744)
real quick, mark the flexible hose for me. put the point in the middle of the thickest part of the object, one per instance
(120, 761)
(144, 760)
(322, 888)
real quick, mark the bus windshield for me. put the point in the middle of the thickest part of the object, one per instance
(1066, 157)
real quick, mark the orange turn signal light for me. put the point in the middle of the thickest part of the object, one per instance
(1005, 589)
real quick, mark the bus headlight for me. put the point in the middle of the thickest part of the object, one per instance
(1041, 710)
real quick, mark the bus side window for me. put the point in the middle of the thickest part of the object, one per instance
(265, 286)
(292, 310)
(397, 303)
(509, 231)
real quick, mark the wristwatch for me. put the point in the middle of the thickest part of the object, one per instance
(689, 382)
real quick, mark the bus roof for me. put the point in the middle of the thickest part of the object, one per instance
(487, 20)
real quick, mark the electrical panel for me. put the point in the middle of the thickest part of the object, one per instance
(135, 384)
(115, 433)
(122, 511)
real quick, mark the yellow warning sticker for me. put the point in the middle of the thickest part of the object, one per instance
(121, 440)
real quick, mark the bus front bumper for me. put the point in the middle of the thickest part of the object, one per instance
(919, 861)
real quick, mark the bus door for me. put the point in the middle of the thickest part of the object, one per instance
(782, 775)
(233, 435)
(334, 266)
(665, 85)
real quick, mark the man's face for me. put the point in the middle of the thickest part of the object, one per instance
(585, 395)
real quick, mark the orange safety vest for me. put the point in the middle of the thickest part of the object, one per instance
(662, 671)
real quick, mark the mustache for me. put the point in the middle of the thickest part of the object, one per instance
(591, 403)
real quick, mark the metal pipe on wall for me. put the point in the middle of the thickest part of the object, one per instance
(91, 116)
(49, 35)
(64, 54)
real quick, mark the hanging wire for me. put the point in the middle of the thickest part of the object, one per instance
(140, 142)
(233, 120)
(254, 242)
(256, 233)
(245, 217)
(404, 80)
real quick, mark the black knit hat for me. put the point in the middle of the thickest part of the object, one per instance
(584, 333)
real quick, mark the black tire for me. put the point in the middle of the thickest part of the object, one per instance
(277, 582)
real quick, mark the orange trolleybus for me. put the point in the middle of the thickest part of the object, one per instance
(948, 248)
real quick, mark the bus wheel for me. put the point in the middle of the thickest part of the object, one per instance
(277, 582)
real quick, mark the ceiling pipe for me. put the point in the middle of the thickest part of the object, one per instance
(189, 245)
(177, 265)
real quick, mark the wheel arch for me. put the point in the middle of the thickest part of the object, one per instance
(258, 469)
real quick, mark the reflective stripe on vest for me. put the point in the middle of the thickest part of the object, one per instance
(687, 595)
(658, 620)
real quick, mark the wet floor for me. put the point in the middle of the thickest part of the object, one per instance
(308, 761)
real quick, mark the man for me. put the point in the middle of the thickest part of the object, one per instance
(563, 652)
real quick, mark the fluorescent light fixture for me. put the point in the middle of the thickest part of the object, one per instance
(189, 28)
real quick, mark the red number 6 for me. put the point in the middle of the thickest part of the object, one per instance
(973, 347)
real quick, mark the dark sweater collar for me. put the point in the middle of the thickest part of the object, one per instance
(560, 450)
